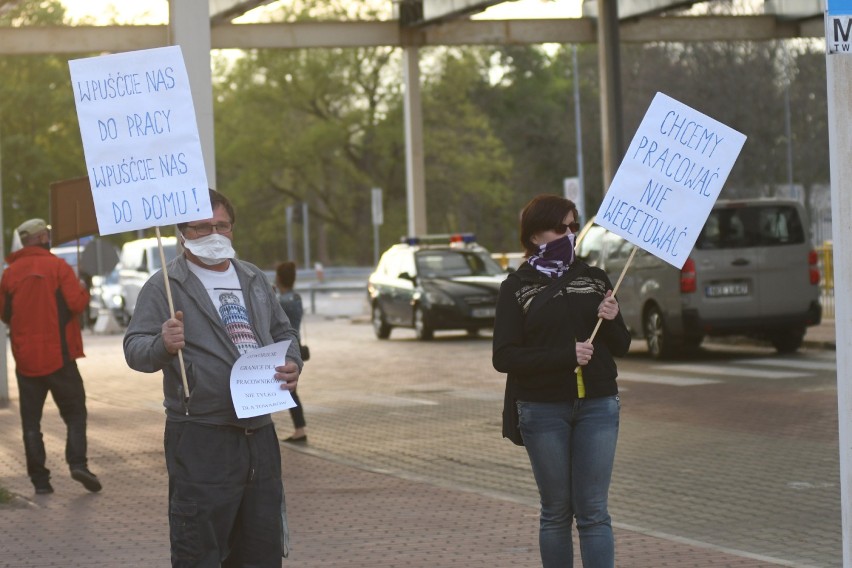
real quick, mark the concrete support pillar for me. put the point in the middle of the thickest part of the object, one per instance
(189, 27)
(415, 184)
(609, 64)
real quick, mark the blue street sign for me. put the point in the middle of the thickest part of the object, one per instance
(839, 7)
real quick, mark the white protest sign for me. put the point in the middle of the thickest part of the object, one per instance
(140, 139)
(669, 179)
(254, 390)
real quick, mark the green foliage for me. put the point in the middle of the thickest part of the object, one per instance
(325, 126)
(531, 107)
(302, 126)
(39, 137)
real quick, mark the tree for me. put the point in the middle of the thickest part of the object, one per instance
(529, 101)
(39, 136)
(467, 167)
(302, 126)
(325, 126)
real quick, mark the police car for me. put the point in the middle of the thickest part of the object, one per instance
(434, 282)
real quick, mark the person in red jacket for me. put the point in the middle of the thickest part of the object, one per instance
(40, 300)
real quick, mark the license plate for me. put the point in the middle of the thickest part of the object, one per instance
(727, 289)
(484, 312)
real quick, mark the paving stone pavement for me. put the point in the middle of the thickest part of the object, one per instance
(361, 493)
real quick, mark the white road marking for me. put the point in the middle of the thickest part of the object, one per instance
(733, 372)
(807, 364)
(665, 379)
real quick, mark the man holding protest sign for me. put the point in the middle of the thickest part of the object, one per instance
(226, 501)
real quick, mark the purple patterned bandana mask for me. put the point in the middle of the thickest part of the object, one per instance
(554, 258)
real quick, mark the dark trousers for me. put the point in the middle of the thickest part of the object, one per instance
(66, 387)
(297, 413)
(226, 498)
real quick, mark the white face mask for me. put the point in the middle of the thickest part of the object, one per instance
(211, 250)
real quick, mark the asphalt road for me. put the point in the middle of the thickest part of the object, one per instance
(735, 447)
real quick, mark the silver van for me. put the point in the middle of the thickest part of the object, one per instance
(138, 260)
(753, 272)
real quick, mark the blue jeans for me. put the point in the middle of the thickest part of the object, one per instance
(571, 446)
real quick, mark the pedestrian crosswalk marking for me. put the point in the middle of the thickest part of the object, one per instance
(665, 379)
(733, 372)
(808, 364)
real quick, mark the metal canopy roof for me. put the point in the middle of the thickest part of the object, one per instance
(443, 22)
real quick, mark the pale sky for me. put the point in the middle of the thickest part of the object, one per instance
(106, 11)
(156, 11)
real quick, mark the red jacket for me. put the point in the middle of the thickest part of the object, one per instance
(38, 293)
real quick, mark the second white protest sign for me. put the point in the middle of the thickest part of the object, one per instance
(669, 179)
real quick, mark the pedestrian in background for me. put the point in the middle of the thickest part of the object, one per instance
(291, 303)
(226, 498)
(41, 300)
(568, 421)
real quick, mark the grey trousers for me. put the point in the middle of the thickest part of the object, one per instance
(226, 497)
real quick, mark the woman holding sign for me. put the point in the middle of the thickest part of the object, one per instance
(567, 420)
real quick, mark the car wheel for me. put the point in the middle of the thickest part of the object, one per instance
(422, 328)
(788, 340)
(473, 332)
(380, 327)
(660, 341)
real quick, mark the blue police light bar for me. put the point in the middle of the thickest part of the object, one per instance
(452, 238)
(465, 238)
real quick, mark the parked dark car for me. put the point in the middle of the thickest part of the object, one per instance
(434, 283)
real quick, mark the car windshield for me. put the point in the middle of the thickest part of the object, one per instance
(740, 227)
(455, 263)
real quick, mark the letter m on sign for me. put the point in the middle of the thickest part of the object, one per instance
(841, 34)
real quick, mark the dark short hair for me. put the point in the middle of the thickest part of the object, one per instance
(543, 213)
(285, 274)
(216, 198)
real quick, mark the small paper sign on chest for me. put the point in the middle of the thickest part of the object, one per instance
(254, 389)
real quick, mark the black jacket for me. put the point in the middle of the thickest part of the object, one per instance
(539, 352)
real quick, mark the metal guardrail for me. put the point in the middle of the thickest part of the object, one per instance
(506, 259)
(330, 288)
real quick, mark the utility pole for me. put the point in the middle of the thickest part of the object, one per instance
(578, 129)
(291, 249)
(306, 244)
(609, 64)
